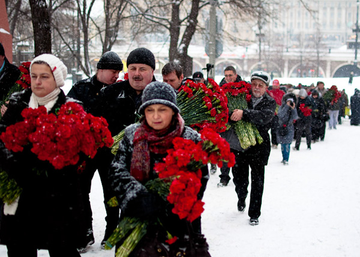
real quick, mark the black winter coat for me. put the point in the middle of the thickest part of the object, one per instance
(261, 116)
(128, 190)
(119, 105)
(8, 76)
(88, 92)
(50, 205)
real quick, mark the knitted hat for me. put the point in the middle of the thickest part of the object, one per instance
(2, 51)
(143, 56)
(276, 82)
(57, 67)
(110, 61)
(261, 75)
(159, 93)
(303, 93)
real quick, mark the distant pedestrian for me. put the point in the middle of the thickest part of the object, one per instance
(287, 114)
(355, 108)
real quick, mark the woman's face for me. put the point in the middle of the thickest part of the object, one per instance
(158, 116)
(42, 80)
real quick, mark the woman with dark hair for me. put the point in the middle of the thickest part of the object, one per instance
(143, 145)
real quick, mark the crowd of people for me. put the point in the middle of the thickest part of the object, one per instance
(53, 211)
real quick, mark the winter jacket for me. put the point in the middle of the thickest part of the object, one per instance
(308, 103)
(223, 81)
(129, 191)
(50, 204)
(286, 116)
(261, 116)
(88, 92)
(355, 108)
(8, 76)
(318, 114)
(119, 105)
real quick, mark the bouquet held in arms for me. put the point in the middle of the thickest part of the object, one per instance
(306, 110)
(23, 82)
(58, 139)
(201, 106)
(178, 182)
(238, 94)
(332, 95)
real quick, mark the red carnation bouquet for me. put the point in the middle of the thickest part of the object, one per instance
(238, 94)
(201, 106)
(23, 82)
(332, 95)
(58, 139)
(306, 110)
(179, 183)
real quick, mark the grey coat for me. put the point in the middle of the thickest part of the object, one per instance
(286, 116)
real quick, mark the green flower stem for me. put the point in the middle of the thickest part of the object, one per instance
(132, 240)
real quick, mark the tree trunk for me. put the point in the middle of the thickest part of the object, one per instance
(182, 51)
(41, 20)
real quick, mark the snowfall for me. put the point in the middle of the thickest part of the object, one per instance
(310, 207)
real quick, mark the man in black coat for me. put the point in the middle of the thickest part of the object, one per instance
(88, 92)
(120, 101)
(260, 112)
(9, 73)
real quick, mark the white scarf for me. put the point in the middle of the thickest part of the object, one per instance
(48, 101)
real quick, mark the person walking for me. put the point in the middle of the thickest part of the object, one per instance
(47, 214)
(277, 94)
(319, 117)
(88, 91)
(145, 144)
(303, 124)
(287, 114)
(355, 108)
(260, 112)
(9, 73)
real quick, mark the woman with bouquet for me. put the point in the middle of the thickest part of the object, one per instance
(48, 210)
(144, 145)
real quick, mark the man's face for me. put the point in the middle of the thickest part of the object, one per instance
(230, 76)
(139, 76)
(275, 86)
(107, 77)
(173, 80)
(321, 86)
(258, 87)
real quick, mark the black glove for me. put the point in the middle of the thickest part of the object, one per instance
(145, 205)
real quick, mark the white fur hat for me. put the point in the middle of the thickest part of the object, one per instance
(57, 67)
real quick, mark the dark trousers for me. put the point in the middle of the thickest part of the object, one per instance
(322, 131)
(301, 127)
(101, 163)
(274, 128)
(241, 180)
(224, 176)
(22, 250)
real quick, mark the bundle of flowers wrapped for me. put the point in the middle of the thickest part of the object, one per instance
(58, 139)
(238, 94)
(178, 182)
(306, 110)
(22, 83)
(332, 95)
(201, 106)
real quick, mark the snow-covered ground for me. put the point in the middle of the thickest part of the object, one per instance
(310, 207)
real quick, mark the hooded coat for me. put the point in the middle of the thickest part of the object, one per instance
(50, 205)
(287, 116)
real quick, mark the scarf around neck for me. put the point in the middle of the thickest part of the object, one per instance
(146, 141)
(48, 101)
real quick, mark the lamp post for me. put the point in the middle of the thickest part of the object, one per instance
(356, 30)
(212, 42)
